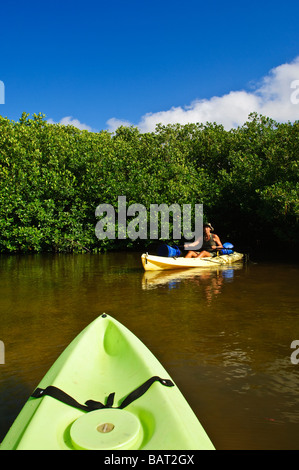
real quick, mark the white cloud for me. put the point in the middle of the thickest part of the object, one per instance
(114, 123)
(70, 121)
(272, 97)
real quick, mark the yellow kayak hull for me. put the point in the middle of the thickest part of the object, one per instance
(158, 263)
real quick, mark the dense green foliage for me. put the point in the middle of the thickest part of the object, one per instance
(52, 178)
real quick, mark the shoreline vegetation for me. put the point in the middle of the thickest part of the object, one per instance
(53, 177)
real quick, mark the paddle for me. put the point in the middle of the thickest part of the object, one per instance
(225, 246)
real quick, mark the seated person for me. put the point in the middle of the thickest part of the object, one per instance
(209, 245)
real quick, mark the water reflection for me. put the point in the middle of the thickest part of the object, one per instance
(209, 280)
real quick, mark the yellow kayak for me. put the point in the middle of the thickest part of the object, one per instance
(155, 263)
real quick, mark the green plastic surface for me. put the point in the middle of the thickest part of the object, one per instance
(104, 358)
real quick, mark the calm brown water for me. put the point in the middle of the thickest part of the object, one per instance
(223, 335)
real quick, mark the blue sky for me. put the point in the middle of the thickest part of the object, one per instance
(99, 64)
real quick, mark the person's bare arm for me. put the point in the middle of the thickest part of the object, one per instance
(217, 241)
